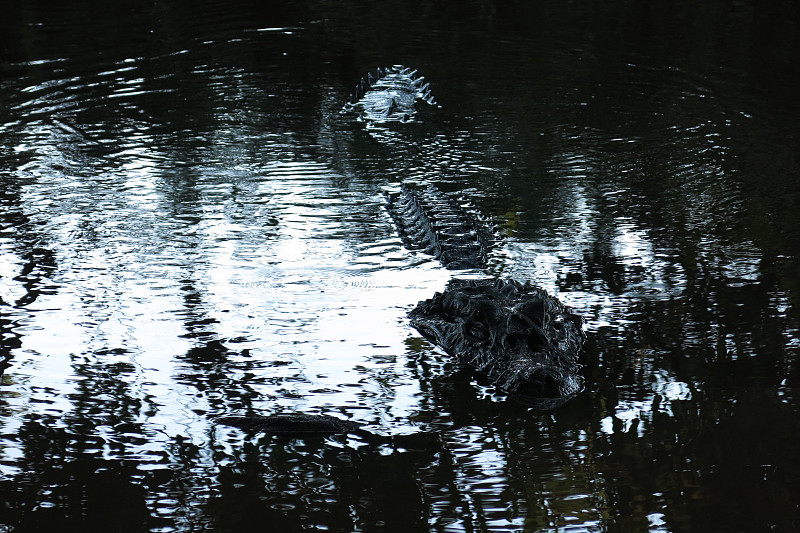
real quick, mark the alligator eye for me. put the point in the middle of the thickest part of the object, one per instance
(456, 304)
(535, 311)
(486, 309)
(477, 331)
(519, 323)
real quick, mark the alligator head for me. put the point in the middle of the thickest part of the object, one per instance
(525, 341)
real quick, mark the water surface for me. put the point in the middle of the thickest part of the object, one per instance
(189, 227)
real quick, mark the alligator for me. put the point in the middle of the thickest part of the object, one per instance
(389, 95)
(522, 339)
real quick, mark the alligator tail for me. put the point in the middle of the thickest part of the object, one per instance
(409, 75)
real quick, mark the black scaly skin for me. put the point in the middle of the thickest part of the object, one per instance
(525, 341)
(434, 223)
(521, 338)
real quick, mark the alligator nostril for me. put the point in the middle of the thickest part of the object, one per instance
(478, 332)
(542, 382)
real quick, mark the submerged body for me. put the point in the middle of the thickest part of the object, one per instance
(430, 221)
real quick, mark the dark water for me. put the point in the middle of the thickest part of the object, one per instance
(189, 228)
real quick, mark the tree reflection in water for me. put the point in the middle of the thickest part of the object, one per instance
(188, 228)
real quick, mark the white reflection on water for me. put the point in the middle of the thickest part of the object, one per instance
(304, 281)
(642, 271)
(632, 409)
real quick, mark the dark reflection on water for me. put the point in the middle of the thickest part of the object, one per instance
(190, 228)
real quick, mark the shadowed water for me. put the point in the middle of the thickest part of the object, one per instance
(190, 228)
